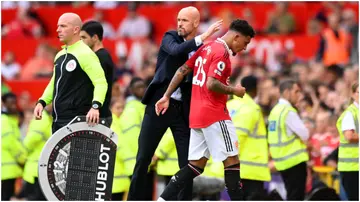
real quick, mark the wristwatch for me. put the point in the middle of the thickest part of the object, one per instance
(96, 105)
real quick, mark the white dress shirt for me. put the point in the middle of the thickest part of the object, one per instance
(176, 95)
(294, 124)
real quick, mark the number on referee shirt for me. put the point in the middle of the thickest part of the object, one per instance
(199, 78)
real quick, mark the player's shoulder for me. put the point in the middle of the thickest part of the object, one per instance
(219, 49)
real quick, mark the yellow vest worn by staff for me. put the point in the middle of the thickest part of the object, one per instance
(167, 164)
(214, 169)
(251, 131)
(38, 133)
(131, 120)
(348, 152)
(286, 151)
(121, 182)
(13, 151)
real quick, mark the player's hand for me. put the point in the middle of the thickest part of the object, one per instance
(239, 91)
(162, 105)
(211, 30)
(92, 117)
(38, 111)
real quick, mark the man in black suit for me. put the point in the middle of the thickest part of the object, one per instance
(176, 48)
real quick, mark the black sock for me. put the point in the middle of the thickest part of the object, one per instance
(233, 182)
(178, 181)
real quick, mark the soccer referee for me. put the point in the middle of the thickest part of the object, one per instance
(78, 85)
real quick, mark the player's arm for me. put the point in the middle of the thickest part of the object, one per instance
(47, 96)
(215, 85)
(176, 80)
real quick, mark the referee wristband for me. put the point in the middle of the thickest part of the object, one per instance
(42, 102)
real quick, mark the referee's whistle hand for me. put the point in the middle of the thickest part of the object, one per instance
(162, 105)
(92, 117)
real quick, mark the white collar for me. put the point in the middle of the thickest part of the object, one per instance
(226, 46)
(356, 104)
(284, 101)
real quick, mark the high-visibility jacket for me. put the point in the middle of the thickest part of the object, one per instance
(348, 152)
(251, 131)
(131, 120)
(121, 182)
(38, 133)
(286, 151)
(167, 164)
(13, 151)
(336, 49)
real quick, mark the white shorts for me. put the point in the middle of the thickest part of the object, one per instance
(219, 140)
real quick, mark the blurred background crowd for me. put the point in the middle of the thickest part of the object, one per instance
(292, 41)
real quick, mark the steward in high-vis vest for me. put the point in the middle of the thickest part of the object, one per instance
(39, 132)
(348, 163)
(121, 181)
(13, 152)
(131, 120)
(253, 148)
(287, 136)
(166, 160)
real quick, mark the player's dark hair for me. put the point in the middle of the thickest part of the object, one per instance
(93, 28)
(287, 84)
(250, 83)
(243, 27)
(134, 80)
(6, 96)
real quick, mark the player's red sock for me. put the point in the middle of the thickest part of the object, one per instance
(178, 181)
(233, 182)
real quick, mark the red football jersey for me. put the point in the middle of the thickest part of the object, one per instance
(208, 107)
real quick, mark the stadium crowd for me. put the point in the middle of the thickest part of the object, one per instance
(325, 79)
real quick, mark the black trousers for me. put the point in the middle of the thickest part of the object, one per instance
(7, 189)
(37, 194)
(350, 181)
(152, 130)
(253, 190)
(295, 181)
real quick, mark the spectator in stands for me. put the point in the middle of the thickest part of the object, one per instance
(314, 27)
(280, 21)
(41, 65)
(15, 4)
(134, 25)
(334, 47)
(23, 26)
(10, 69)
(206, 20)
(349, 23)
(109, 32)
(105, 4)
(249, 16)
(122, 68)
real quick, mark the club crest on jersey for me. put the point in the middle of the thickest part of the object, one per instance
(70, 66)
(220, 68)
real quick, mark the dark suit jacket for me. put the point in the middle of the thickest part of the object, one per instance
(172, 54)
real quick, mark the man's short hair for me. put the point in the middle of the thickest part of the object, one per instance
(287, 84)
(92, 28)
(243, 27)
(6, 96)
(250, 83)
(134, 80)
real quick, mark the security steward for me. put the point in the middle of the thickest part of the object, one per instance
(348, 163)
(13, 152)
(39, 132)
(251, 130)
(287, 136)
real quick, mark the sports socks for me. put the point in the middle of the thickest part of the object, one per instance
(233, 182)
(178, 181)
